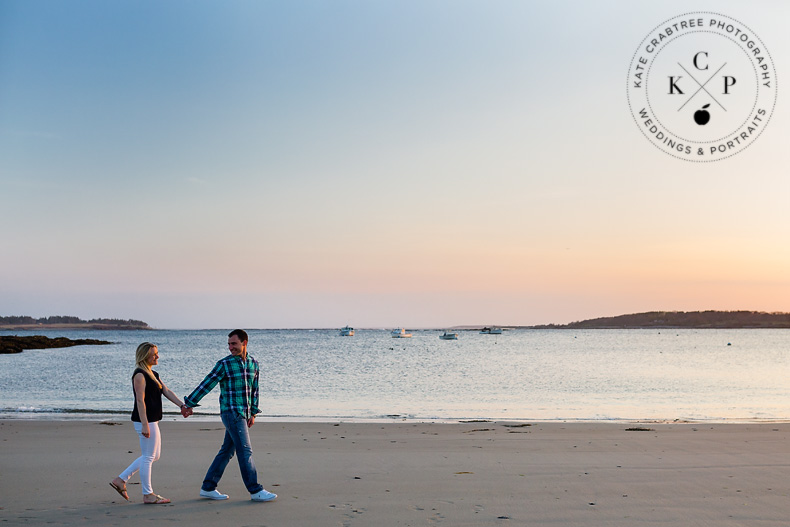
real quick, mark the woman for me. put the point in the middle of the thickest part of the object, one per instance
(148, 390)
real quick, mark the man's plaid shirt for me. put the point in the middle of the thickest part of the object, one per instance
(238, 382)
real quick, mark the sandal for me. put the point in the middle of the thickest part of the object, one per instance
(120, 490)
(158, 501)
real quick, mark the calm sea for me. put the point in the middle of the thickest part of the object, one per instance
(520, 375)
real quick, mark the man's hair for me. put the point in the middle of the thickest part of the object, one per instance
(239, 333)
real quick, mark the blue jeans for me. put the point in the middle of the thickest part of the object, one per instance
(237, 441)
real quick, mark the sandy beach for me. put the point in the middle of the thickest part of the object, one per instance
(409, 474)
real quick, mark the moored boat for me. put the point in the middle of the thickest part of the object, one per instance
(448, 336)
(400, 333)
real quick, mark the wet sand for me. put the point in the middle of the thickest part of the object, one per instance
(408, 474)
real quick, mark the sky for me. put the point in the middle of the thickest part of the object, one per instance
(265, 164)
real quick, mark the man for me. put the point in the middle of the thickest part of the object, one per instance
(237, 375)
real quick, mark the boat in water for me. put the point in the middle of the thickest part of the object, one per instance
(400, 333)
(347, 331)
(491, 331)
(448, 336)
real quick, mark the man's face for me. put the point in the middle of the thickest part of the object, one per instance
(236, 346)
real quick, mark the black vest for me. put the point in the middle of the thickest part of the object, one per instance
(152, 397)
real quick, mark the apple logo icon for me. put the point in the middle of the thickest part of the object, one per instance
(701, 117)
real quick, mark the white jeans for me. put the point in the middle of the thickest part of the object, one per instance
(151, 447)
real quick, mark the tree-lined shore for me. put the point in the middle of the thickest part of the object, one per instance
(682, 319)
(69, 322)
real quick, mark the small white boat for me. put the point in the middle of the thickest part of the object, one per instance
(347, 331)
(448, 336)
(491, 331)
(400, 333)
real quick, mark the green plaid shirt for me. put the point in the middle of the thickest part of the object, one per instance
(238, 382)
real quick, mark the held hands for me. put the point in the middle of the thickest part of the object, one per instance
(186, 411)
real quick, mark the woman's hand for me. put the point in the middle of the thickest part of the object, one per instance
(146, 431)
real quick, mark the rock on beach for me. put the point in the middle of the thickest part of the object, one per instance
(15, 344)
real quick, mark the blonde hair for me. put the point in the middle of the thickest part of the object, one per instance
(141, 359)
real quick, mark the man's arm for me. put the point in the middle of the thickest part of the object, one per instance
(216, 374)
(255, 410)
(254, 402)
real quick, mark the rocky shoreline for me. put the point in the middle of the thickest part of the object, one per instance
(14, 344)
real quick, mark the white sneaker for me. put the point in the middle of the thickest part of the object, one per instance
(263, 495)
(213, 494)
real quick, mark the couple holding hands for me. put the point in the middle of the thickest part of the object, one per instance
(237, 375)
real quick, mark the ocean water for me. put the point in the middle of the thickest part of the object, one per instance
(519, 375)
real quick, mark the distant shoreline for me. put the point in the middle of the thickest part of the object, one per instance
(36, 327)
(505, 328)
(649, 320)
(28, 323)
(683, 320)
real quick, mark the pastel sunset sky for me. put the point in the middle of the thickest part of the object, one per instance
(265, 164)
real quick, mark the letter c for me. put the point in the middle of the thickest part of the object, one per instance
(695, 60)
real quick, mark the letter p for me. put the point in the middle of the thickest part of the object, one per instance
(728, 81)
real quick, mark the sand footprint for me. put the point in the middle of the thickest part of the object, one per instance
(436, 517)
(351, 513)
